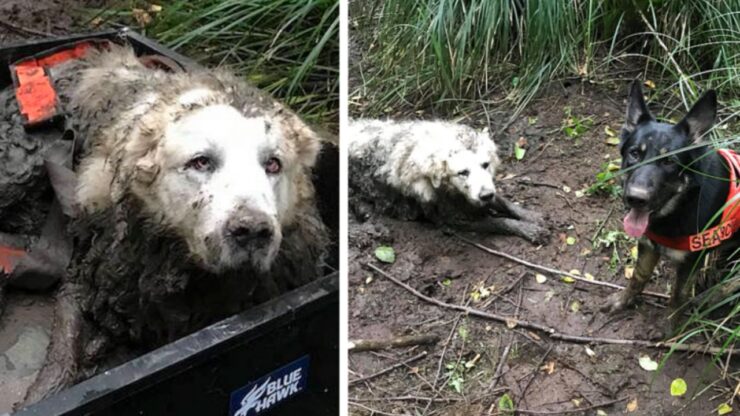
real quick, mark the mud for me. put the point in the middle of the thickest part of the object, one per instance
(442, 266)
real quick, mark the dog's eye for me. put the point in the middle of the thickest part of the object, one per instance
(634, 153)
(485, 165)
(273, 166)
(200, 163)
(464, 172)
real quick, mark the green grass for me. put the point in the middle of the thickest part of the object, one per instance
(455, 51)
(289, 48)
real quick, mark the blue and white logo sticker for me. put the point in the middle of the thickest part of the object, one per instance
(270, 390)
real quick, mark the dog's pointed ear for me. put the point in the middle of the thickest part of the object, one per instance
(701, 117)
(637, 111)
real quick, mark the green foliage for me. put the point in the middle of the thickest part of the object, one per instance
(289, 48)
(607, 182)
(441, 53)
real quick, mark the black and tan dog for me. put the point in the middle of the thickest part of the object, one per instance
(681, 194)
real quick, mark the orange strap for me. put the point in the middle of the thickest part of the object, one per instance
(727, 226)
(9, 257)
(34, 89)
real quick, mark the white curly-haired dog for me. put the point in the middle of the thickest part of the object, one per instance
(434, 170)
(194, 200)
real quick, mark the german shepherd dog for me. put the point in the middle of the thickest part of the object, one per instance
(674, 187)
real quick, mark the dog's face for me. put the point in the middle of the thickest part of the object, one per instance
(222, 183)
(471, 174)
(655, 180)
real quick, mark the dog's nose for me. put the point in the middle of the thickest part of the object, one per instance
(486, 196)
(244, 233)
(637, 197)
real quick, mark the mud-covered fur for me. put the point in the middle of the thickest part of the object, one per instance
(183, 216)
(438, 171)
(672, 190)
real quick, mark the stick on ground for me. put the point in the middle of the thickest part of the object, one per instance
(552, 332)
(359, 345)
(389, 369)
(551, 270)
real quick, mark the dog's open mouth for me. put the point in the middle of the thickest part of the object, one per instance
(636, 222)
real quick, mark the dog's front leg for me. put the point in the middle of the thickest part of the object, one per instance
(647, 259)
(504, 206)
(62, 357)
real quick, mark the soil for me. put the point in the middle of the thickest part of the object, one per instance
(569, 376)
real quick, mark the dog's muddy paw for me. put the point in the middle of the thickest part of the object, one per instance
(617, 302)
(535, 234)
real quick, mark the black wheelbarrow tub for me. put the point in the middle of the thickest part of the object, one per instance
(209, 371)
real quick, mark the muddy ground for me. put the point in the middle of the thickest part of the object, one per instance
(538, 374)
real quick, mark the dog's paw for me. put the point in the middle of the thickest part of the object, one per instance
(536, 234)
(617, 302)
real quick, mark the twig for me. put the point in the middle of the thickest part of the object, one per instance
(389, 369)
(534, 373)
(552, 332)
(359, 345)
(533, 183)
(406, 399)
(497, 374)
(578, 410)
(553, 271)
(598, 230)
(374, 411)
(24, 30)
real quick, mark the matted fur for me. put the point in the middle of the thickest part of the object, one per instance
(412, 169)
(136, 279)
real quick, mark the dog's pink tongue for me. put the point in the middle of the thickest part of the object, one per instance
(636, 222)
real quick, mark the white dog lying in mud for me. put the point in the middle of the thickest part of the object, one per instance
(194, 201)
(434, 170)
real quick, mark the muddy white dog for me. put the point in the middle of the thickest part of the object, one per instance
(194, 201)
(434, 170)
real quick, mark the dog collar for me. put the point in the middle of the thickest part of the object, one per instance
(729, 223)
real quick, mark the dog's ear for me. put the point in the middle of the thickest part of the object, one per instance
(637, 111)
(701, 117)
(438, 173)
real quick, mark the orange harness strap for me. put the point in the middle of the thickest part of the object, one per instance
(33, 86)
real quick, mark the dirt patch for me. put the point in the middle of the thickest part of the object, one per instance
(538, 373)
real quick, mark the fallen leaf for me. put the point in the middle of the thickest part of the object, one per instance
(575, 306)
(629, 271)
(609, 132)
(548, 368)
(589, 276)
(647, 363)
(570, 240)
(385, 254)
(519, 152)
(470, 364)
(580, 193)
(540, 278)
(141, 16)
(575, 272)
(567, 279)
(613, 141)
(613, 166)
(576, 402)
(511, 323)
(446, 282)
(506, 405)
(590, 352)
(601, 413)
(678, 387)
(155, 8)
(649, 84)
(633, 252)
(566, 189)
(369, 280)
(724, 409)
(632, 405)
